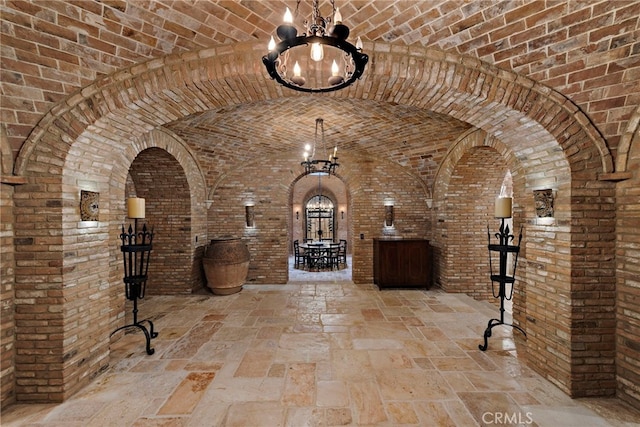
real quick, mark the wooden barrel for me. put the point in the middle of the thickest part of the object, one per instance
(226, 265)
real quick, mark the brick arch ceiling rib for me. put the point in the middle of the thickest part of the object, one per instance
(157, 93)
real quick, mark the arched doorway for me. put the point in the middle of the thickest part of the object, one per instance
(319, 203)
(319, 219)
(152, 173)
(320, 211)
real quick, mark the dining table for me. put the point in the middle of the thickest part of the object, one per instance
(320, 255)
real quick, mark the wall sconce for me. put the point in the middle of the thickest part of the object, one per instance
(89, 205)
(297, 214)
(249, 215)
(543, 200)
(341, 214)
(388, 213)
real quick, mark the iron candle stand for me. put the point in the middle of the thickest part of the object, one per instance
(136, 249)
(502, 278)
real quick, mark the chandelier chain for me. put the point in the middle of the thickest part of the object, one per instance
(320, 123)
(326, 165)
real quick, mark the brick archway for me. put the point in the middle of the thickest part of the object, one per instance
(468, 227)
(495, 100)
(627, 262)
(629, 137)
(94, 272)
(539, 272)
(120, 115)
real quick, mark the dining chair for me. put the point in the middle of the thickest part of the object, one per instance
(342, 252)
(316, 257)
(299, 255)
(330, 258)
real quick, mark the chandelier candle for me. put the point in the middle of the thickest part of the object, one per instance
(328, 43)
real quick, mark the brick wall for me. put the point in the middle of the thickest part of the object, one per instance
(559, 341)
(368, 183)
(7, 294)
(628, 274)
(453, 216)
(371, 183)
(593, 322)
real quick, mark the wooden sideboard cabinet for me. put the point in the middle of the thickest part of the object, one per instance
(402, 263)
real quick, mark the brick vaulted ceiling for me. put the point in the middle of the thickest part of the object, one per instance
(586, 50)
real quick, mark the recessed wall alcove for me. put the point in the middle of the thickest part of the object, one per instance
(468, 216)
(157, 177)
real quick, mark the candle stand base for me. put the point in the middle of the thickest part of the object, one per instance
(148, 333)
(136, 249)
(502, 249)
(497, 322)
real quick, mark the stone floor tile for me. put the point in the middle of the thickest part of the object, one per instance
(413, 384)
(256, 362)
(305, 417)
(255, 414)
(338, 417)
(321, 351)
(351, 365)
(496, 408)
(492, 381)
(332, 394)
(455, 363)
(368, 404)
(390, 359)
(300, 385)
(402, 413)
(460, 415)
(434, 414)
(187, 395)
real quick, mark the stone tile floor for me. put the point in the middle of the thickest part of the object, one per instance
(321, 352)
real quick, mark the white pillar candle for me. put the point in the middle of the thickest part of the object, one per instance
(503, 207)
(135, 207)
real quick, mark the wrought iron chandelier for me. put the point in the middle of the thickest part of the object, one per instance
(348, 61)
(326, 166)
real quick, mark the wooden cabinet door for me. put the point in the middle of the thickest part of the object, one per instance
(389, 263)
(401, 263)
(414, 267)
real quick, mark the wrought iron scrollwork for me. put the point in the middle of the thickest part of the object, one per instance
(503, 278)
(136, 250)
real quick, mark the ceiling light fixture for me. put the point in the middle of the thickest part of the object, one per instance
(347, 61)
(313, 166)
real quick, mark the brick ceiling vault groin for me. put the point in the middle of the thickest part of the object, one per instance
(136, 100)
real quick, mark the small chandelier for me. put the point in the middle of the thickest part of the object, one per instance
(313, 166)
(350, 57)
